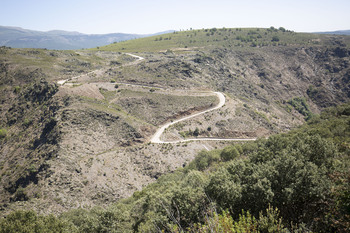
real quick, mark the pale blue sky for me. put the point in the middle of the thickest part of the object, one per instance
(136, 16)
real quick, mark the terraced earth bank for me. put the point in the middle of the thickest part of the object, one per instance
(87, 141)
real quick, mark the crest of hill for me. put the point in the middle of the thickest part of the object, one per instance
(224, 37)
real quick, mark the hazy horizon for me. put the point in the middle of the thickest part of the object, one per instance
(146, 17)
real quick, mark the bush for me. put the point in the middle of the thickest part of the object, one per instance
(229, 153)
(300, 104)
(116, 86)
(112, 80)
(275, 39)
(203, 160)
(26, 122)
(17, 89)
(3, 133)
(288, 171)
(196, 132)
(21, 195)
(29, 221)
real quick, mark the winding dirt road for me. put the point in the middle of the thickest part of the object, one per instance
(160, 131)
(156, 137)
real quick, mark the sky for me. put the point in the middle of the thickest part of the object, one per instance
(151, 16)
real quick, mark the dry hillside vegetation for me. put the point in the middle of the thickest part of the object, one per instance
(87, 142)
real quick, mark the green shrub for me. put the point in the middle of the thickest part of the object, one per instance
(203, 160)
(26, 122)
(196, 132)
(30, 222)
(112, 80)
(21, 195)
(229, 153)
(17, 89)
(275, 39)
(300, 104)
(3, 133)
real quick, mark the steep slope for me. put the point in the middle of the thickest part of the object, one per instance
(86, 143)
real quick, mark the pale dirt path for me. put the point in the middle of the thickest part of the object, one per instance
(62, 82)
(135, 56)
(156, 137)
(160, 131)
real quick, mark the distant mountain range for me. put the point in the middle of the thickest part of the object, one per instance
(341, 32)
(23, 38)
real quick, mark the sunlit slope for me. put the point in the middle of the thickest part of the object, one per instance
(207, 38)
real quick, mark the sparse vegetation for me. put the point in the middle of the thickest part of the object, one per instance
(218, 37)
(300, 171)
(87, 140)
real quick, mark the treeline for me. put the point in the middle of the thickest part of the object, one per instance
(294, 182)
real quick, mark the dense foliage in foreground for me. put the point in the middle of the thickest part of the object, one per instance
(297, 182)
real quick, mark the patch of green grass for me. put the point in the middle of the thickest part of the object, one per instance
(206, 38)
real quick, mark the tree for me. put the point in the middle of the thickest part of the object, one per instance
(229, 153)
(196, 132)
(275, 39)
(29, 221)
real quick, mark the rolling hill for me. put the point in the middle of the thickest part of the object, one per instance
(76, 127)
(340, 32)
(62, 40)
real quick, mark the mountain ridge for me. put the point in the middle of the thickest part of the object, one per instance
(338, 32)
(18, 37)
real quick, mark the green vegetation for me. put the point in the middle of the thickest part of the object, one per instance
(297, 181)
(23, 65)
(3, 133)
(226, 37)
(30, 222)
(294, 182)
(301, 106)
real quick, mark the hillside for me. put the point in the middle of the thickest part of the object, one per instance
(224, 37)
(62, 40)
(294, 182)
(340, 32)
(85, 142)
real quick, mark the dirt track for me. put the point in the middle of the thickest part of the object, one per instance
(156, 137)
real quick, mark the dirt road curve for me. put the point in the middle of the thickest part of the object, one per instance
(156, 137)
(132, 55)
(160, 131)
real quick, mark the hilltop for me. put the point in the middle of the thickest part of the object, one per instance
(224, 37)
(86, 143)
